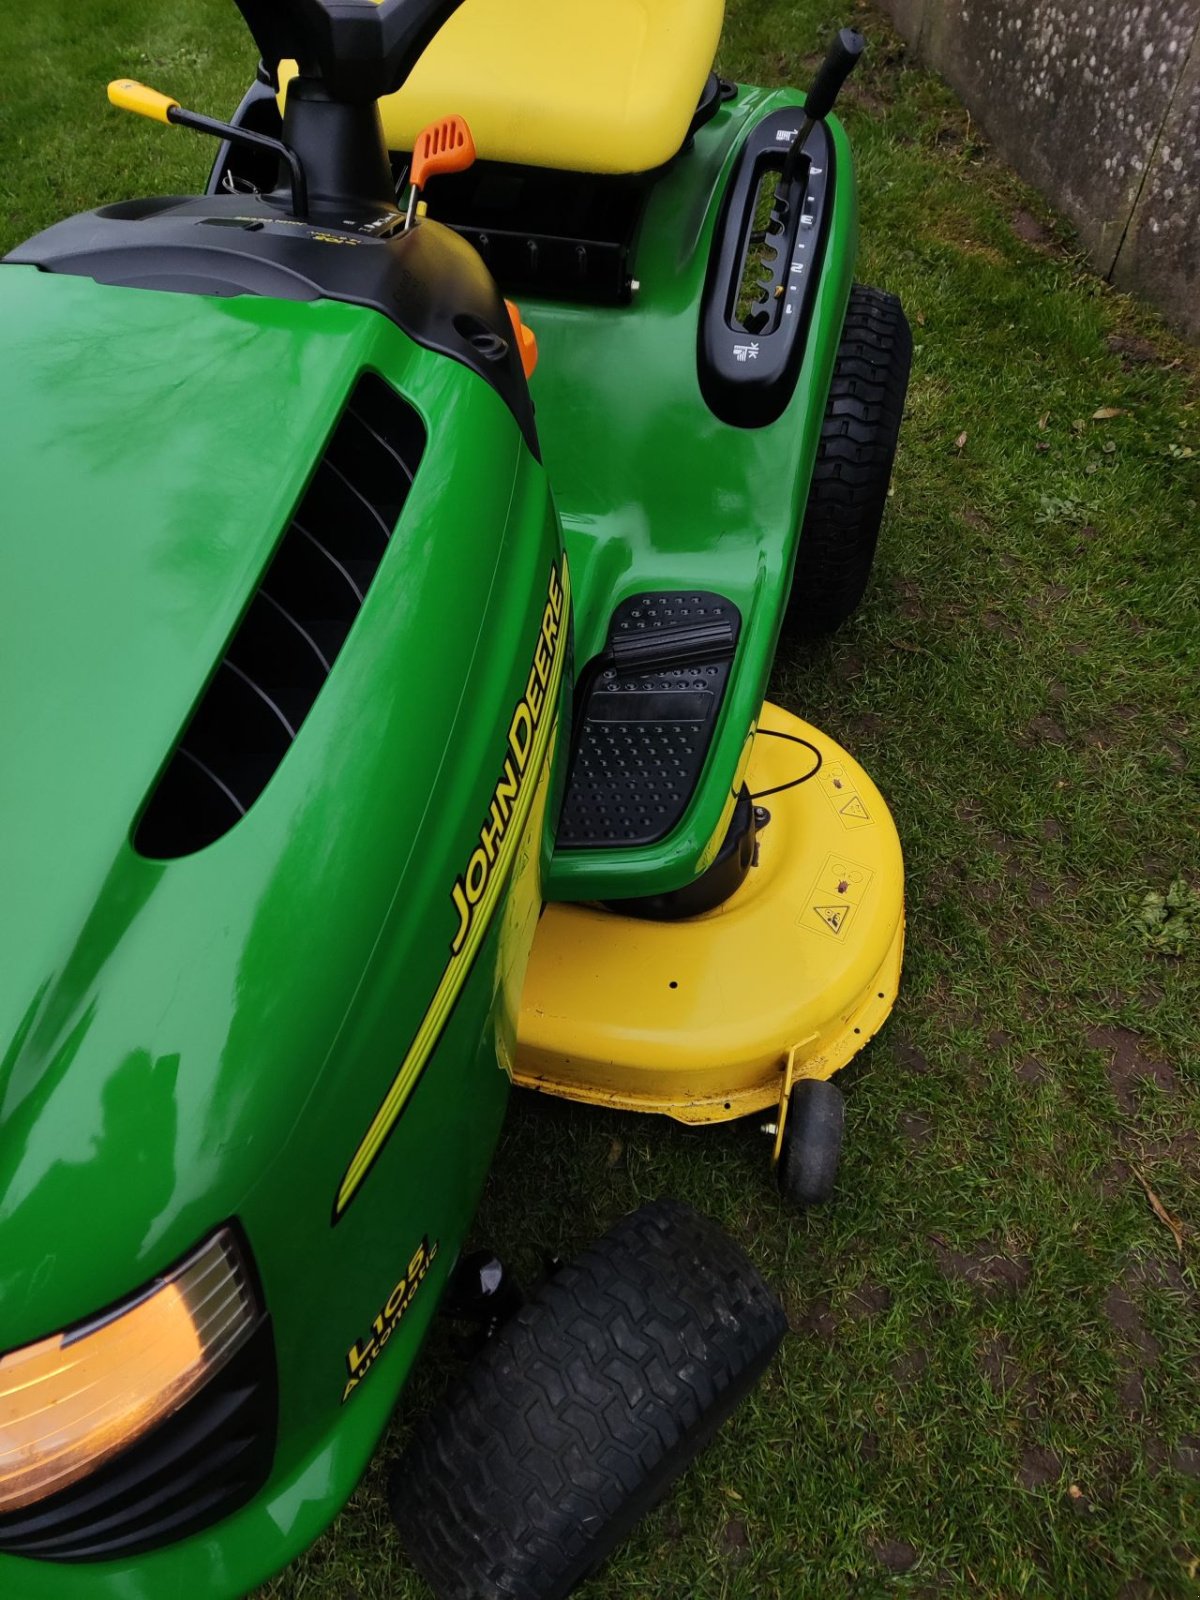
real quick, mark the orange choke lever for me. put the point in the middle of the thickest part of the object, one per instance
(525, 337)
(444, 146)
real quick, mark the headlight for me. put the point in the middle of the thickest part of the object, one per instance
(69, 1402)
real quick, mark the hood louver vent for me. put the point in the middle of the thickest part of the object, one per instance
(290, 634)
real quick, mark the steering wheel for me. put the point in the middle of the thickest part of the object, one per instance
(360, 49)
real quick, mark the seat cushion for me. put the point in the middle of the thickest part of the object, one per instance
(582, 85)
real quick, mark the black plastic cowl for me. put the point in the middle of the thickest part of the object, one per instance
(341, 148)
(428, 281)
(714, 886)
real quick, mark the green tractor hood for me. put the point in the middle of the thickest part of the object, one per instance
(143, 498)
(163, 1022)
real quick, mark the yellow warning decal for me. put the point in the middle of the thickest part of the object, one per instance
(834, 917)
(476, 892)
(835, 896)
(840, 790)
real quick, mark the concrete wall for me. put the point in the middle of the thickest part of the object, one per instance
(1097, 102)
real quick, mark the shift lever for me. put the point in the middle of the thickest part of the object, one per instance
(840, 61)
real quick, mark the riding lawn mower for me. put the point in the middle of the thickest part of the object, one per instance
(397, 541)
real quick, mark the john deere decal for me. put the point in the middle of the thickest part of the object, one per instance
(476, 891)
(470, 889)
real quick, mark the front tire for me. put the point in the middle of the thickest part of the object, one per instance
(574, 1420)
(850, 480)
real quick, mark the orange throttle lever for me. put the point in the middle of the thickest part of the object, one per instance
(444, 146)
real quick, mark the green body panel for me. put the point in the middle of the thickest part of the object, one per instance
(188, 1041)
(654, 490)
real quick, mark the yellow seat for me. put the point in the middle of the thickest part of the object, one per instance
(582, 85)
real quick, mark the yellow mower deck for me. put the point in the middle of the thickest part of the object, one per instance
(704, 1019)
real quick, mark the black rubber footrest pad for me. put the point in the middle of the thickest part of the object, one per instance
(647, 718)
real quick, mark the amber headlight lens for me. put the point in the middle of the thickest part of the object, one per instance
(70, 1402)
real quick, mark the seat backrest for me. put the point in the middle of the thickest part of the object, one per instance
(606, 86)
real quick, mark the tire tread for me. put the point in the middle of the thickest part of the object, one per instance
(854, 463)
(573, 1420)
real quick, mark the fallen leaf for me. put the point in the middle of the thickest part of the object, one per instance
(920, 319)
(615, 1151)
(1105, 412)
(1041, 447)
(1110, 446)
(1044, 419)
(1160, 1211)
(960, 441)
(732, 1494)
(1078, 425)
(913, 649)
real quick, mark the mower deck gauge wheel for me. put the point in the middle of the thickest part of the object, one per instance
(812, 1142)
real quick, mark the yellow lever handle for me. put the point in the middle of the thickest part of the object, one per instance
(128, 95)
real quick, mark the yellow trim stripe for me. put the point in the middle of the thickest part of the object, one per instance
(460, 964)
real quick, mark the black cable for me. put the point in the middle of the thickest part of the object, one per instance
(772, 733)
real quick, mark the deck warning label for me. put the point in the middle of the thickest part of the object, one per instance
(835, 896)
(843, 796)
(834, 917)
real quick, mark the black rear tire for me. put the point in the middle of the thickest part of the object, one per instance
(854, 464)
(574, 1420)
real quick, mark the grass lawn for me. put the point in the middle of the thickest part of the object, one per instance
(992, 1386)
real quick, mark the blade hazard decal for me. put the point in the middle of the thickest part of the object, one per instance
(477, 890)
